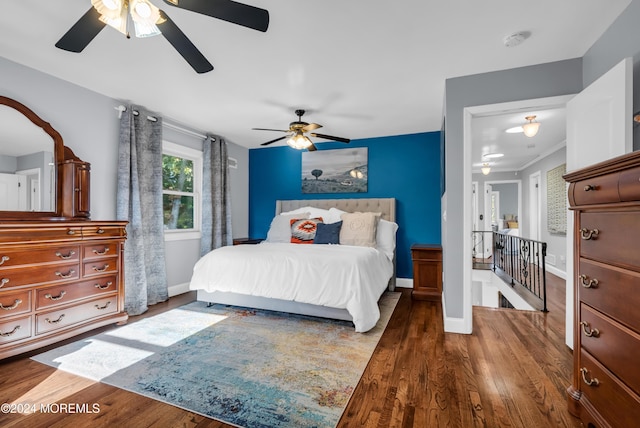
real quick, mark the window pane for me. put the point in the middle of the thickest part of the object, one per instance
(178, 212)
(177, 174)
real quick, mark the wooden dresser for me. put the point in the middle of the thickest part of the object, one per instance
(606, 375)
(58, 280)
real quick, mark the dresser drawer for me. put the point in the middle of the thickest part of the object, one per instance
(100, 249)
(629, 185)
(13, 258)
(611, 290)
(103, 231)
(603, 338)
(597, 190)
(63, 294)
(17, 277)
(15, 303)
(614, 401)
(15, 329)
(63, 318)
(100, 267)
(34, 235)
(610, 237)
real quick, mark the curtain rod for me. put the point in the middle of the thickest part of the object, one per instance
(122, 109)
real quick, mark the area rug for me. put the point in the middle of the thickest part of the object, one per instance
(245, 367)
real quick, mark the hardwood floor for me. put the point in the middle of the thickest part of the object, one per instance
(511, 372)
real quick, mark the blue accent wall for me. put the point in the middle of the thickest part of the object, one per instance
(405, 167)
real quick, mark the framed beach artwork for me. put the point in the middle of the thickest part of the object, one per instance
(335, 171)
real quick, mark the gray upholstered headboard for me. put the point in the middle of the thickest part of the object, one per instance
(386, 206)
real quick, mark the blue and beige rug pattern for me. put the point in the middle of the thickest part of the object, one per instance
(249, 368)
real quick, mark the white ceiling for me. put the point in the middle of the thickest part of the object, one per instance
(362, 68)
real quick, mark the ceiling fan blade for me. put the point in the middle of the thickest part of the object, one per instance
(311, 127)
(183, 45)
(268, 129)
(312, 148)
(82, 32)
(273, 141)
(227, 10)
(331, 137)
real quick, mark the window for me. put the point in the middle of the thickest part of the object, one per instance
(181, 188)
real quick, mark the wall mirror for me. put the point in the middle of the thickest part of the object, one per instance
(30, 152)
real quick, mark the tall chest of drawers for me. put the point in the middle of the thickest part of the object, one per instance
(58, 279)
(606, 376)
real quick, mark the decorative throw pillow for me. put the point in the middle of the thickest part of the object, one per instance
(328, 233)
(359, 229)
(303, 231)
(280, 229)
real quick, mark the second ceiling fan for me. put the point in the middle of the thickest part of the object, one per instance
(148, 21)
(296, 134)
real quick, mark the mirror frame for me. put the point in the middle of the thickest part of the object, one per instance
(58, 159)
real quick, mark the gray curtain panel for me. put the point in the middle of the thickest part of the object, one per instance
(216, 196)
(139, 201)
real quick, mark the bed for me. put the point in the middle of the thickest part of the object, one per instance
(333, 281)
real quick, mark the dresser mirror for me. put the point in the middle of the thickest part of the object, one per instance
(30, 152)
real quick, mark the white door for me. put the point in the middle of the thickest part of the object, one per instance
(13, 192)
(598, 128)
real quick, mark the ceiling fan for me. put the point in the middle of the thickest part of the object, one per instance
(296, 132)
(148, 21)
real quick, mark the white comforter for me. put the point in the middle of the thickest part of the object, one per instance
(338, 276)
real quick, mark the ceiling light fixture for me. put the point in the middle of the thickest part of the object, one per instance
(493, 155)
(486, 169)
(299, 141)
(115, 13)
(530, 128)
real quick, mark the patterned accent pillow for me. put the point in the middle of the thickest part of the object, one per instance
(303, 231)
(359, 229)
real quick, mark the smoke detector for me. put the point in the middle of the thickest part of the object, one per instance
(516, 38)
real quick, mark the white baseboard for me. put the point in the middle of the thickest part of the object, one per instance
(557, 272)
(175, 290)
(404, 282)
(454, 325)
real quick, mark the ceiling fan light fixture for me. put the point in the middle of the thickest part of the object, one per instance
(530, 128)
(486, 169)
(113, 13)
(299, 141)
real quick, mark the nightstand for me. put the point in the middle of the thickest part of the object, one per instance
(427, 272)
(244, 241)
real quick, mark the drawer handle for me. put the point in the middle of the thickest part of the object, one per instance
(4, 259)
(66, 275)
(103, 287)
(3, 281)
(58, 297)
(101, 253)
(587, 234)
(71, 232)
(100, 231)
(16, 303)
(55, 321)
(106, 305)
(102, 269)
(68, 256)
(591, 283)
(590, 187)
(588, 331)
(10, 333)
(592, 381)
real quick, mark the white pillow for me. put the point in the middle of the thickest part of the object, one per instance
(335, 215)
(312, 211)
(386, 237)
(280, 228)
(359, 229)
